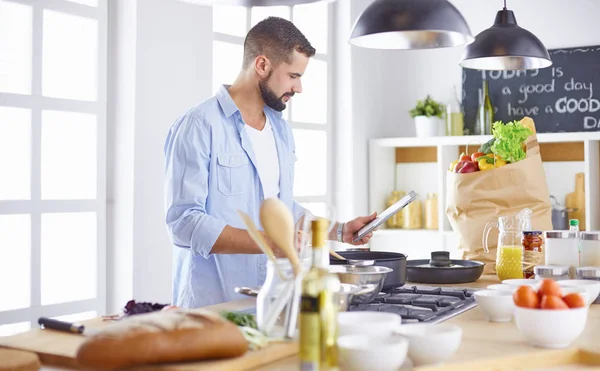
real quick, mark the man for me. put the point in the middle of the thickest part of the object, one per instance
(230, 153)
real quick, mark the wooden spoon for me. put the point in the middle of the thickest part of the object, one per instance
(278, 222)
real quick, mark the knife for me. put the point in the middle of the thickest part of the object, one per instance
(71, 327)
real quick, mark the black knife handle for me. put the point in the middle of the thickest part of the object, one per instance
(54, 324)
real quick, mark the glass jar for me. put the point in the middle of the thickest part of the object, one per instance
(431, 211)
(533, 252)
(589, 249)
(562, 248)
(555, 272)
(589, 273)
(412, 215)
(274, 300)
(394, 197)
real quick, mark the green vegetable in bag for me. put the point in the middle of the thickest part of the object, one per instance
(509, 140)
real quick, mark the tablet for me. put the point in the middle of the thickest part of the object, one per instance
(381, 218)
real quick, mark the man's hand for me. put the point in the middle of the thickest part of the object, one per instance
(353, 226)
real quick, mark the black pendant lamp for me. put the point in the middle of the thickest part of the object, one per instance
(506, 46)
(251, 3)
(410, 24)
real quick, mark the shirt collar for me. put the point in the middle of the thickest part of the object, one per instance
(229, 107)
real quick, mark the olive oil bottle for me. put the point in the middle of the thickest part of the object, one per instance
(318, 309)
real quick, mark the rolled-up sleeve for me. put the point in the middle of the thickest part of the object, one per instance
(187, 169)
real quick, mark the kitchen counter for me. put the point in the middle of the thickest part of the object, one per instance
(481, 339)
(484, 339)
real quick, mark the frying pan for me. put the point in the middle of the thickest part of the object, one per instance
(440, 269)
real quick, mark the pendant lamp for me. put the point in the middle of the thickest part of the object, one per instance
(251, 3)
(410, 24)
(506, 46)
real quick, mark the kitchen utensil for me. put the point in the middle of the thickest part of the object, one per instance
(576, 201)
(456, 271)
(565, 328)
(497, 305)
(278, 222)
(75, 328)
(560, 215)
(509, 259)
(257, 238)
(395, 261)
(430, 344)
(369, 275)
(335, 254)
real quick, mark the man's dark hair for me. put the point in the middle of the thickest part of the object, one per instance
(276, 38)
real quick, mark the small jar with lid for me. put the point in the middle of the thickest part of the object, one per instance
(533, 251)
(589, 249)
(555, 272)
(589, 273)
(562, 248)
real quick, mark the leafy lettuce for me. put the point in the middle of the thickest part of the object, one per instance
(509, 140)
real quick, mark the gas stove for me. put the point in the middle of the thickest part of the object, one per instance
(423, 304)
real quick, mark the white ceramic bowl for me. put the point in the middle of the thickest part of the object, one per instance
(547, 328)
(502, 287)
(593, 287)
(372, 352)
(498, 305)
(431, 344)
(516, 283)
(368, 323)
(585, 294)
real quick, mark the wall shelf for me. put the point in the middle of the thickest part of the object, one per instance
(421, 164)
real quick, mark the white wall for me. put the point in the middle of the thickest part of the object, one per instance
(386, 84)
(161, 62)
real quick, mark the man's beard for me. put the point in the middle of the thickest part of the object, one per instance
(270, 97)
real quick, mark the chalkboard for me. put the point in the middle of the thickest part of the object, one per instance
(564, 97)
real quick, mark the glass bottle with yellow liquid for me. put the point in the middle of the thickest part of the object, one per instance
(318, 309)
(454, 117)
(509, 256)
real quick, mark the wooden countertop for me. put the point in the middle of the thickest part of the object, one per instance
(484, 339)
(481, 339)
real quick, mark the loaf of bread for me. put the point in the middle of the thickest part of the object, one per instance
(161, 337)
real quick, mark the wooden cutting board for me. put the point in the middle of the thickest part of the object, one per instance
(55, 348)
(576, 200)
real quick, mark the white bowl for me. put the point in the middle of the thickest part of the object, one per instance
(498, 305)
(368, 323)
(593, 287)
(431, 344)
(372, 352)
(585, 294)
(502, 287)
(518, 282)
(547, 328)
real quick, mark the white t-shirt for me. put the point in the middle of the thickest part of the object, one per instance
(267, 162)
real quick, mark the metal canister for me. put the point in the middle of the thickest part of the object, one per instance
(589, 273)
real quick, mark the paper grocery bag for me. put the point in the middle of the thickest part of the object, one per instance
(474, 199)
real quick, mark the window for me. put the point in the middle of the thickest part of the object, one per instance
(52, 158)
(308, 112)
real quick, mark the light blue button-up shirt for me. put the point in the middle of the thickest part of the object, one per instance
(211, 173)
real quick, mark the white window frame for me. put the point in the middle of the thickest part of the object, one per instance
(328, 198)
(35, 206)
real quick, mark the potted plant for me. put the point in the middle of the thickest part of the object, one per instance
(428, 118)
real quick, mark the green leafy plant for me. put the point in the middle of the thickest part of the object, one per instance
(509, 140)
(427, 107)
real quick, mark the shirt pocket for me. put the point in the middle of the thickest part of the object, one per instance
(233, 173)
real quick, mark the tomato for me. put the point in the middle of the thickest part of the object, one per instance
(465, 158)
(553, 302)
(476, 155)
(574, 300)
(526, 297)
(549, 288)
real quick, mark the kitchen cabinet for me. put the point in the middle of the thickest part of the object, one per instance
(421, 164)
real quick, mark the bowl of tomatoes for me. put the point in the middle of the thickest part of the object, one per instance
(548, 317)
